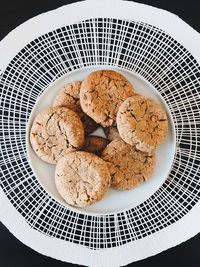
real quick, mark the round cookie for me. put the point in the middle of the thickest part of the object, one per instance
(143, 122)
(82, 178)
(111, 133)
(102, 92)
(55, 132)
(95, 144)
(69, 97)
(128, 166)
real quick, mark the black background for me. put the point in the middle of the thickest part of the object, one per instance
(12, 252)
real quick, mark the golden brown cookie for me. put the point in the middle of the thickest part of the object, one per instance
(69, 97)
(111, 133)
(101, 94)
(82, 178)
(95, 144)
(128, 166)
(55, 132)
(143, 122)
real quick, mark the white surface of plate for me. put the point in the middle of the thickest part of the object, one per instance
(114, 201)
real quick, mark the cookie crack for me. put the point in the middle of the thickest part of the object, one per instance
(154, 129)
(80, 178)
(112, 79)
(133, 115)
(108, 117)
(77, 197)
(60, 152)
(40, 135)
(146, 159)
(74, 98)
(62, 133)
(47, 122)
(59, 127)
(109, 82)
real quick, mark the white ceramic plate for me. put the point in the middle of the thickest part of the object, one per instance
(115, 200)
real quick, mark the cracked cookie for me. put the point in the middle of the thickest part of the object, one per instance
(95, 144)
(127, 165)
(82, 178)
(55, 132)
(101, 94)
(69, 97)
(111, 133)
(143, 122)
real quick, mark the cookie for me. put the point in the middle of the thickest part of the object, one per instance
(82, 178)
(55, 132)
(127, 165)
(95, 144)
(69, 97)
(143, 122)
(101, 94)
(111, 133)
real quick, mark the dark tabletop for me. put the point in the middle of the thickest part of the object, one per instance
(12, 252)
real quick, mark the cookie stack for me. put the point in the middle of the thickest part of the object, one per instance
(87, 165)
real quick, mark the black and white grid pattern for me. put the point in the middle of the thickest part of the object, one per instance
(135, 46)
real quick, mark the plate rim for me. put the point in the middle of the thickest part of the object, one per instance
(28, 145)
